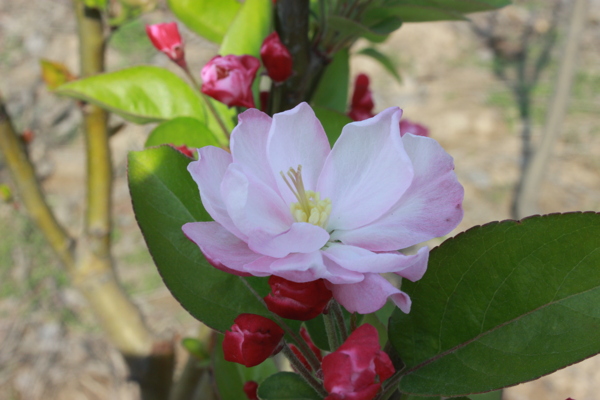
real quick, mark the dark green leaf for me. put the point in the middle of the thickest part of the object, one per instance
(332, 92)
(139, 94)
(286, 386)
(497, 395)
(164, 198)
(248, 30)
(502, 304)
(422, 13)
(182, 131)
(350, 29)
(332, 121)
(316, 330)
(458, 6)
(208, 18)
(383, 59)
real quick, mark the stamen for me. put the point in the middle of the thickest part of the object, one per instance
(309, 208)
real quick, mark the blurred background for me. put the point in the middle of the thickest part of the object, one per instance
(458, 78)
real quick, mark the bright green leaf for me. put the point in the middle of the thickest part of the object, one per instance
(502, 304)
(332, 92)
(182, 131)
(332, 121)
(248, 30)
(99, 4)
(164, 198)
(139, 94)
(208, 18)
(286, 386)
(383, 59)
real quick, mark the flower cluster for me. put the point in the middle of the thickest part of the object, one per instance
(285, 204)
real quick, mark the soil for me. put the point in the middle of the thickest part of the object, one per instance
(51, 346)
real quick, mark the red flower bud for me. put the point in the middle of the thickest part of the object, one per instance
(362, 104)
(250, 388)
(252, 340)
(276, 58)
(166, 38)
(229, 79)
(264, 101)
(299, 301)
(407, 126)
(315, 349)
(350, 372)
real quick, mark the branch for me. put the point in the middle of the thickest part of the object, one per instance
(526, 203)
(29, 189)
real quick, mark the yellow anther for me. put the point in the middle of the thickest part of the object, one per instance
(309, 208)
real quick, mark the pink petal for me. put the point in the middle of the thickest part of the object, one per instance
(431, 207)
(208, 173)
(361, 260)
(297, 138)
(249, 145)
(252, 204)
(301, 237)
(366, 172)
(302, 267)
(369, 295)
(221, 248)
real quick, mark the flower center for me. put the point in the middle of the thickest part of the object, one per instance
(309, 208)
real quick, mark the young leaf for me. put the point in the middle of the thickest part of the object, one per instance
(383, 59)
(208, 18)
(332, 92)
(502, 304)
(248, 30)
(139, 94)
(286, 386)
(182, 131)
(164, 198)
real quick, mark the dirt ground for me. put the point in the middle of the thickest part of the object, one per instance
(50, 345)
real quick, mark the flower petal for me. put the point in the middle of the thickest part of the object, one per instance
(302, 267)
(366, 172)
(369, 295)
(431, 207)
(222, 249)
(297, 138)
(301, 237)
(208, 172)
(249, 145)
(361, 260)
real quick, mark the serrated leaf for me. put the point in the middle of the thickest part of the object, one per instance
(182, 131)
(383, 59)
(208, 18)
(502, 304)
(139, 94)
(286, 386)
(332, 91)
(165, 197)
(248, 30)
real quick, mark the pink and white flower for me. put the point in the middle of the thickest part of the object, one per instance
(284, 203)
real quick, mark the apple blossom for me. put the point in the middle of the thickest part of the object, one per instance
(285, 204)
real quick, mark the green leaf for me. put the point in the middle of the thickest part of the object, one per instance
(196, 347)
(332, 91)
(421, 13)
(286, 386)
(350, 29)
(164, 198)
(497, 395)
(456, 6)
(502, 304)
(99, 4)
(182, 131)
(383, 59)
(248, 30)
(332, 121)
(139, 94)
(208, 18)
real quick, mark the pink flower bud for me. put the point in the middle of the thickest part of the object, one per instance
(166, 38)
(299, 301)
(407, 126)
(252, 340)
(309, 342)
(250, 388)
(276, 58)
(351, 371)
(362, 105)
(229, 79)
